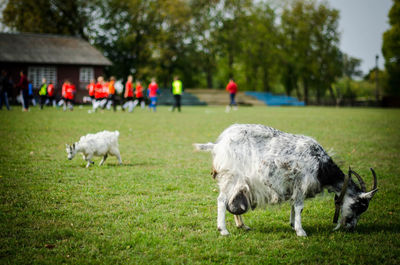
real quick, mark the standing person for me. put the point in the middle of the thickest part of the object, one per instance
(90, 87)
(153, 91)
(104, 95)
(4, 86)
(69, 93)
(111, 93)
(43, 93)
(30, 94)
(232, 89)
(98, 93)
(63, 93)
(23, 84)
(51, 94)
(128, 94)
(139, 95)
(177, 89)
(119, 88)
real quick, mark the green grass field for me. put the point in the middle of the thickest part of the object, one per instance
(160, 207)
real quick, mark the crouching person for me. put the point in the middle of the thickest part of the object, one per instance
(100, 144)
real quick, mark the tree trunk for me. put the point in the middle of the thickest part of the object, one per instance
(305, 84)
(265, 80)
(318, 95)
(209, 77)
(296, 87)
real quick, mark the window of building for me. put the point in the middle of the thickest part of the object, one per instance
(36, 73)
(86, 74)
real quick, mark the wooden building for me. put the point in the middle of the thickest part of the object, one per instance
(54, 57)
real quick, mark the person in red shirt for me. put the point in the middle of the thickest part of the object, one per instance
(139, 95)
(111, 93)
(51, 94)
(153, 91)
(128, 94)
(99, 96)
(90, 88)
(105, 89)
(69, 94)
(63, 89)
(232, 89)
(63, 100)
(104, 95)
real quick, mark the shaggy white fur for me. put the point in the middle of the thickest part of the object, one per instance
(257, 165)
(99, 144)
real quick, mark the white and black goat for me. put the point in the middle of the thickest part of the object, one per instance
(257, 165)
(100, 144)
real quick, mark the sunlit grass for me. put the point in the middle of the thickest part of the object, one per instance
(160, 205)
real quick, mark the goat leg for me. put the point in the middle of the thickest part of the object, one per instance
(89, 161)
(239, 222)
(292, 216)
(103, 160)
(298, 208)
(221, 216)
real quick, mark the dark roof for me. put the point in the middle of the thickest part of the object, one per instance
(48, 49)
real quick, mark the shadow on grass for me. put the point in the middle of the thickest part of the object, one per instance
(370, 228)
(131, 164)
(96, 165)
(270, 229)
(361, 228)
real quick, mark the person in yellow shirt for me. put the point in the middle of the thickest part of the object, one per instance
(177, 90)
(43, 93)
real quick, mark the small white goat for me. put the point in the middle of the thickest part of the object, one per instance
(99, 144)
(257, 165)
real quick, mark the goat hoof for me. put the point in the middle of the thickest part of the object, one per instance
(224, 233)
(244, 227)
(301, 232)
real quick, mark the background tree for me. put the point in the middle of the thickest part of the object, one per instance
(49, 16)
(351, 69)
(259, 43)
(311, 40)
(127, 33)
(391, 50)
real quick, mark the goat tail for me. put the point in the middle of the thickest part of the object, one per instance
(116, 133)
(204, 147)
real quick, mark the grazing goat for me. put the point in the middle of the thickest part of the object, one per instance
(99, 144)
(257, 165)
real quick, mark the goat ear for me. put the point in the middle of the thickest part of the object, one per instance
(368, 195)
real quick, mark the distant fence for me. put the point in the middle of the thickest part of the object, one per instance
(275, 100)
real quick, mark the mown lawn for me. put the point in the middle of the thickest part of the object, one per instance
(159, 207)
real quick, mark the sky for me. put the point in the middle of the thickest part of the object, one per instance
(361, 24)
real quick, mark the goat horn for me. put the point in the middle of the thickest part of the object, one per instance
(344, 187)
(375, 181)
(339, 200)
(360, 180)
